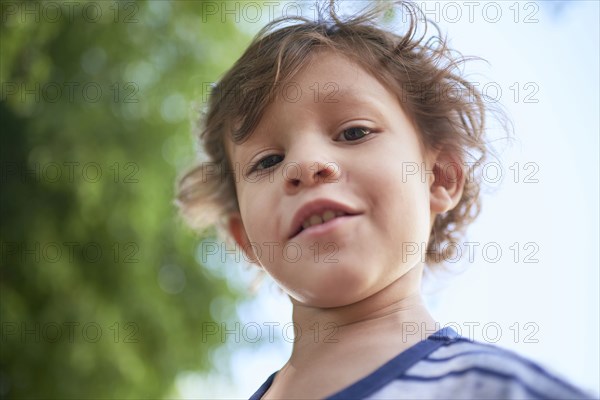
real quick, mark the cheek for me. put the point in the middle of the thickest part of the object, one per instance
(398, 196)
(256, 207)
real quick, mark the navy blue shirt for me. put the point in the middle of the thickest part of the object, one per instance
(448, 366)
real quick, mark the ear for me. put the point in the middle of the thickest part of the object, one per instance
(449, 181)
(238, 233)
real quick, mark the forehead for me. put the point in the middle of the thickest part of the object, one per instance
(328, 81)
(332, 75)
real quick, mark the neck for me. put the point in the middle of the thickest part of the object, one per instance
(395, 316)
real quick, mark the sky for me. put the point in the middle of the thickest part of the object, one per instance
(531, 283)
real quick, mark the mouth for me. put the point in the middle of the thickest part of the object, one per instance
(317, 213)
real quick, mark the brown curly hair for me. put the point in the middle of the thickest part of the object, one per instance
(448, 111)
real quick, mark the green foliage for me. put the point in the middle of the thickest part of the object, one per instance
(101, 292)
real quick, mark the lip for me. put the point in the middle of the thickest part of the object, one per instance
(319, 206)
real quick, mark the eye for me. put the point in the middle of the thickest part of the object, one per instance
(355, 133)
(267, 162)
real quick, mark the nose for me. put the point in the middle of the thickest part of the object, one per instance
(309, 173)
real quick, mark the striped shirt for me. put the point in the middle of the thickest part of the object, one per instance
(448, 366)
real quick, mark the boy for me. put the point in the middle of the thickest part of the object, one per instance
(311, 137)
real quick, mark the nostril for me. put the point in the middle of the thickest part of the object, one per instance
(329, 170)
(325, 176)
(313, 174)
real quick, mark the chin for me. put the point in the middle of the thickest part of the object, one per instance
(337, 290)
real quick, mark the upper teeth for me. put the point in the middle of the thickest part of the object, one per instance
(317, 219)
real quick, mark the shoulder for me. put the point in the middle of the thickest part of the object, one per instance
(462, 368)
(448, 366)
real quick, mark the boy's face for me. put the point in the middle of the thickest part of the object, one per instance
(338, 141)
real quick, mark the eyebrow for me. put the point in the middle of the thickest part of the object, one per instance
(354, 96)
(351, 97)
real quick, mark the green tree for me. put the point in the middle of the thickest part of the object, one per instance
(102, 293)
